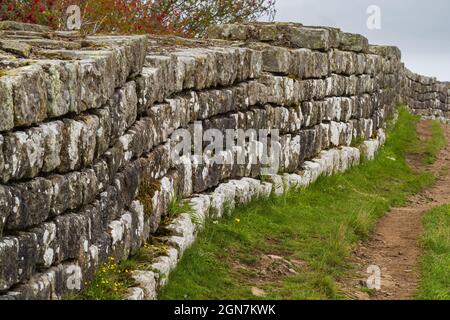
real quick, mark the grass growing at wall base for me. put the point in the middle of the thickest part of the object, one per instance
(111, 282)
(431, 150)
(435, 262)
(297, 246)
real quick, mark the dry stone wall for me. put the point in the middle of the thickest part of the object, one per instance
(426, 96)
(87, 129)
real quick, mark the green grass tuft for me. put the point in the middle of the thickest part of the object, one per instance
(436, 143)
(435, 262)
(178, 206)
(111, 282)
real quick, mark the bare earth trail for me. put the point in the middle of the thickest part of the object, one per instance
(395, 246)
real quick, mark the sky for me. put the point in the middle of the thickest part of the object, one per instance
(421, 29)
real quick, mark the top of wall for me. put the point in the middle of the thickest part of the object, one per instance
(46, 74)
(296, 35)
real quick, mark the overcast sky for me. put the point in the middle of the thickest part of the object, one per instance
(421, 29)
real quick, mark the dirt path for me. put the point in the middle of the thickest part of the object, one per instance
(395, 245)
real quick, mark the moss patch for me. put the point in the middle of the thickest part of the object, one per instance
(147, 189)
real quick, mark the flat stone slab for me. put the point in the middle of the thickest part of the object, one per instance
(48, 74)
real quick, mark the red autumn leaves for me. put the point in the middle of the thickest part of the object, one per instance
(186, 17)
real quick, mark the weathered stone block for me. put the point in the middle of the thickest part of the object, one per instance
(53, 139)
(26, 255)
(20, 26)
(71, 147)
(6, 206)
(386, 51)
(88, 143)
(103, 133)
(146, 280)
(63, 86)
(97, 81)
(275, 59)
(6, 103)
(29, 95)
(290, 156)
(242, 191)
(165, 264)
(308, 144)
(23, 154)
(313, 112)
(165, 74)
(72, 232)
(47, 246)
(9, 269)
(342, 62)
(277, 184)
(61, 192)
(183, 230)
(353, 42)
(123, 108)
(201, 205)
(32, 202)
(15, 47)
(311, 38)
(149, 88)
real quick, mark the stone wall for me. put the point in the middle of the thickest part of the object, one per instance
(426, 96)
(86, 127)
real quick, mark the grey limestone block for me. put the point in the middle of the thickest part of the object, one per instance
(123, 109)
(305, 64)
(9, 269)
(53, 140)
(7, 103)
(353, 42)
(32, 202)
(23, 153)
(29, 95)
(71, 235)
(314, 112)
(63, 86)
(7, 206)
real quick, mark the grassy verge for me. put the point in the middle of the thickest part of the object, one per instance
(435, 262)
(431, 150)
(297, 246)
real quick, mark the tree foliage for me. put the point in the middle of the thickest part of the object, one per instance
(187, 17)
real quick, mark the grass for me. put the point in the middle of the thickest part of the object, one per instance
(178, 206)
(431, 150)
(435, 262)
(113, 279)
(110, 283)
(313, 231)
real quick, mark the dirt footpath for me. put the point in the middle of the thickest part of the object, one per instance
(395, 246)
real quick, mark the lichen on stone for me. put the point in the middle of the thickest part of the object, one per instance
(147, 189)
